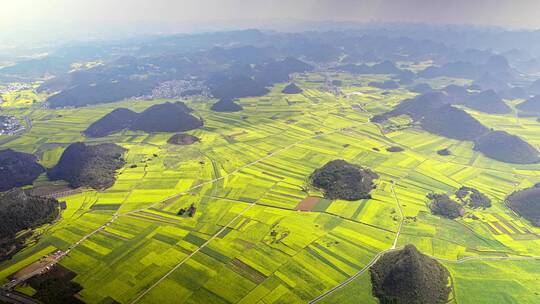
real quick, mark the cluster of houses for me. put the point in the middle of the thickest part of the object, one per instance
(10, 125)
(180, 88)
(12, 87)
(332, 87)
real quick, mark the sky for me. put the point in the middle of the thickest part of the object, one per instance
(56, 19)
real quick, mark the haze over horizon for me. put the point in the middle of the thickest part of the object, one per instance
(27, 20)
(282, 151)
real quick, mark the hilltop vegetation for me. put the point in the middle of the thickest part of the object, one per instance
(444, 152)
(385, 67)
(488, 102)
(394, 149)
(517, 92)
(452, 122)
(236, 86)
(526, 203)
(18, 169)
(385, 85)
(506, 147)
(292, 88)
(491, 82)
(342, 180)
(456, 94)
(407, 276)
(118, 119)
(280, 70)
(56, 286)
(253, 80)
(421, 88)
(182, 139)
(530, 105)
(441, 204)
(165, 117)
(417, 108)
(84, 165)
(473, 198)
(233, 72)
(435, 114)
(104, 91)
(495, 65)
(226, 105)
(19, 211)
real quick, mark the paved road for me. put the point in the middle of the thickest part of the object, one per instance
(24, 299)
(394, 247)
(14, 297)
(10, 285)
(141, 295)
(117, 215)
(401, 216)
(374, 260)
(481, 258)
(462, 260)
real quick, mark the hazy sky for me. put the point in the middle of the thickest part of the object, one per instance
(56, 18)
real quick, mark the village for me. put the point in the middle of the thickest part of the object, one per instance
(12, 87)
(10, 125)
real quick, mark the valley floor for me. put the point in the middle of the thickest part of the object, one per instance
(248, 242)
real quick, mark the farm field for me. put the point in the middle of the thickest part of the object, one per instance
(260, 233)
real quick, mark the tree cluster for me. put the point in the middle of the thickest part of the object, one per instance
(342, 180)
(441, 204)
(473, 198)
(92, 166)
(18, 169)
(20, 211)
(165, 117)
(407, 276)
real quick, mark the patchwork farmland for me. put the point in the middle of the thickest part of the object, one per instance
(260, 232)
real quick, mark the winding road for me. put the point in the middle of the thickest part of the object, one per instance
(374, 260)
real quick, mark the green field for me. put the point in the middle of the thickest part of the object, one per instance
(247, 243)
